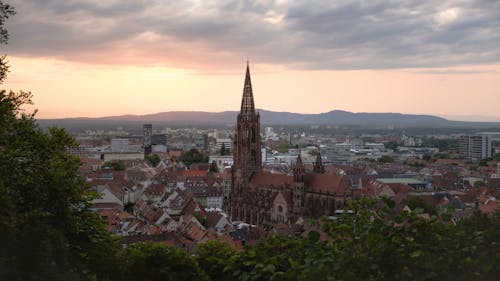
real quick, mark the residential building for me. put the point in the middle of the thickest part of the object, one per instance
(475, 147)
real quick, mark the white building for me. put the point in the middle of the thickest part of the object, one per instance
(228, 144)
(221, 161)
(120, 145)
(475, 147)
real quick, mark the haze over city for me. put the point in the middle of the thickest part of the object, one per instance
(102, 58)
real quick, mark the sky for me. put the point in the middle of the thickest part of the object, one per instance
(102, 58)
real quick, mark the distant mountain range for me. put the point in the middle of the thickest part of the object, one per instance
(335, 117)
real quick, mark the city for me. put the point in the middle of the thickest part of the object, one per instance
(180, 181)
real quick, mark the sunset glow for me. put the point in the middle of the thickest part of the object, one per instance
(84, 59)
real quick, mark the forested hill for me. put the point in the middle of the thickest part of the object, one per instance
(335, 117)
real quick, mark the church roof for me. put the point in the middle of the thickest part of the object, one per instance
(313, 181)
(270, 179)
(324, 183)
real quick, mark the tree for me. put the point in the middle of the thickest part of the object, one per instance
(427, 157)
(386, 159)
(419, 203)
(193, 156)
(5, 11)
(479, 183)
(47, 229)
(216, 259)
(391, 145)
(223, 149)
(117, 165)
(213, 167)
(154, 261)
(153, 159)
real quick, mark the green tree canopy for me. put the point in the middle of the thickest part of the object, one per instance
(153, 159)
(154, 261)
(386, 159)
(213, 167)
(193, 156)
(418, 202)
(5, 12)
(223, 149)
(117, 165)
(47, 230)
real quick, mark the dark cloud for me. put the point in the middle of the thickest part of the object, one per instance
(299, 34)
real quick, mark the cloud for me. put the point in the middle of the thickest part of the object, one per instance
(297, 34)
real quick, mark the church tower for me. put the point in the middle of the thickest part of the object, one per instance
(247, 148)
(246, 155)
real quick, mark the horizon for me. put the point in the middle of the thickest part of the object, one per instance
(114, 58)
(485, 119)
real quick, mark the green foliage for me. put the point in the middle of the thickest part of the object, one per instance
(193, 156)
(117, 165)
(377, 245)
(419, 203)
(153, 159)
(223, 150)
(415, 164)
(201, 218)
(479, 183)
(217, 258)
(386, 159)
(5, 12)
(154, 261)
(483, 163)
(47, 230)
(442, 155)
(441, 144)
(368, 139)
(213, 167)
(283, 148)
(427, 157)
(391, 145)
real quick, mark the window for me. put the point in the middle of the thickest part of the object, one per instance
(280, 209)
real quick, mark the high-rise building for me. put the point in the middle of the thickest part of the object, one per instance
(147, 130)
(475, 147)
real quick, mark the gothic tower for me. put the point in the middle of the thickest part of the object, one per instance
(246, 153)
(247, 147)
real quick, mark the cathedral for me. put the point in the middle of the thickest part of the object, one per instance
(258, 196)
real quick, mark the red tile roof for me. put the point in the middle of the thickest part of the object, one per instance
(325, 183)
(270, 179)
(194, 173)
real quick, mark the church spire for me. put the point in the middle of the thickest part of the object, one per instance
(247, 155)
(318, 165)
(299, 170)
(247, 104)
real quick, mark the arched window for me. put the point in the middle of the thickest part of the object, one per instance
(280, 209)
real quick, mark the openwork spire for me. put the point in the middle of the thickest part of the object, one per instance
(299, 170)
(318, 165)
(247, 105)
